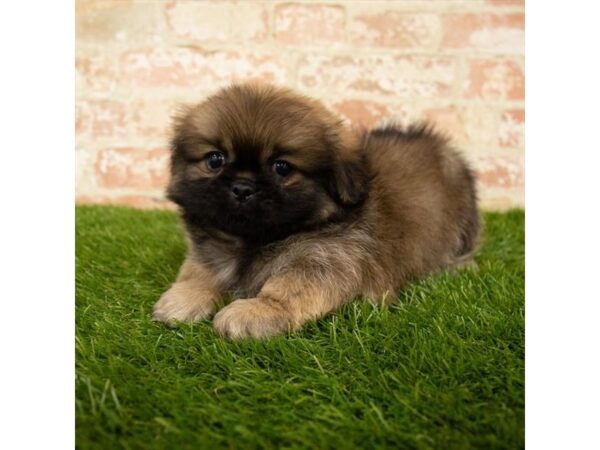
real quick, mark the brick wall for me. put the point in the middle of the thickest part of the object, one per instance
(457, 63)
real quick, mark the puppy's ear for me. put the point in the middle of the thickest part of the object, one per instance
(349, 184)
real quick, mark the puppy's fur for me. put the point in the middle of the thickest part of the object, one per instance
(358, 214)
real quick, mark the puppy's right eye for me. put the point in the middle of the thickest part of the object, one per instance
(214, 160)
(282, 168)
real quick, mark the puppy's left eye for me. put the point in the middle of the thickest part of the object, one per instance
(282, 168)
(214, 160)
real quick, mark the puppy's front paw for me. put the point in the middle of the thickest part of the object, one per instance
(251, 318)
(183, 302)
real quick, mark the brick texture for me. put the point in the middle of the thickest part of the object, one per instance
(362, 113)
(512, 128)
(190, 67)
(498, 33)
(456, 64)
(392, 29)
(308, 24)
(471, 124)
(132, 168)
(221, 22)
(492, 79)
(401, 76)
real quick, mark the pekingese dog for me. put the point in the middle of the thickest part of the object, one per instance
(294, 214)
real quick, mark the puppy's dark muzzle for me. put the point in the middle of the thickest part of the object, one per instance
(242, 191)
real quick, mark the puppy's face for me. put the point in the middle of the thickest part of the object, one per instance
(262, 163)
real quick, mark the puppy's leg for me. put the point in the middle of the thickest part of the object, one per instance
(192, 297)
(285, 303)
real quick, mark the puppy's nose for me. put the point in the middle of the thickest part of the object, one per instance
(242, 190)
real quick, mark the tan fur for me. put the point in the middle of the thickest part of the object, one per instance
(418, 216)
(192, 297)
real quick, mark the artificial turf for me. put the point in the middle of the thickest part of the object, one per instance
(442, 368)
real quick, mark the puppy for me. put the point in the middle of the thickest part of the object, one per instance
(293, 214)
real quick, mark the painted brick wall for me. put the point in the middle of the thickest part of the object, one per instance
(457, 63)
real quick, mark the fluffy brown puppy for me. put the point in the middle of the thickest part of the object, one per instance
(293, 214)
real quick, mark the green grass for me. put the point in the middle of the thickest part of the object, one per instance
(441, 368)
